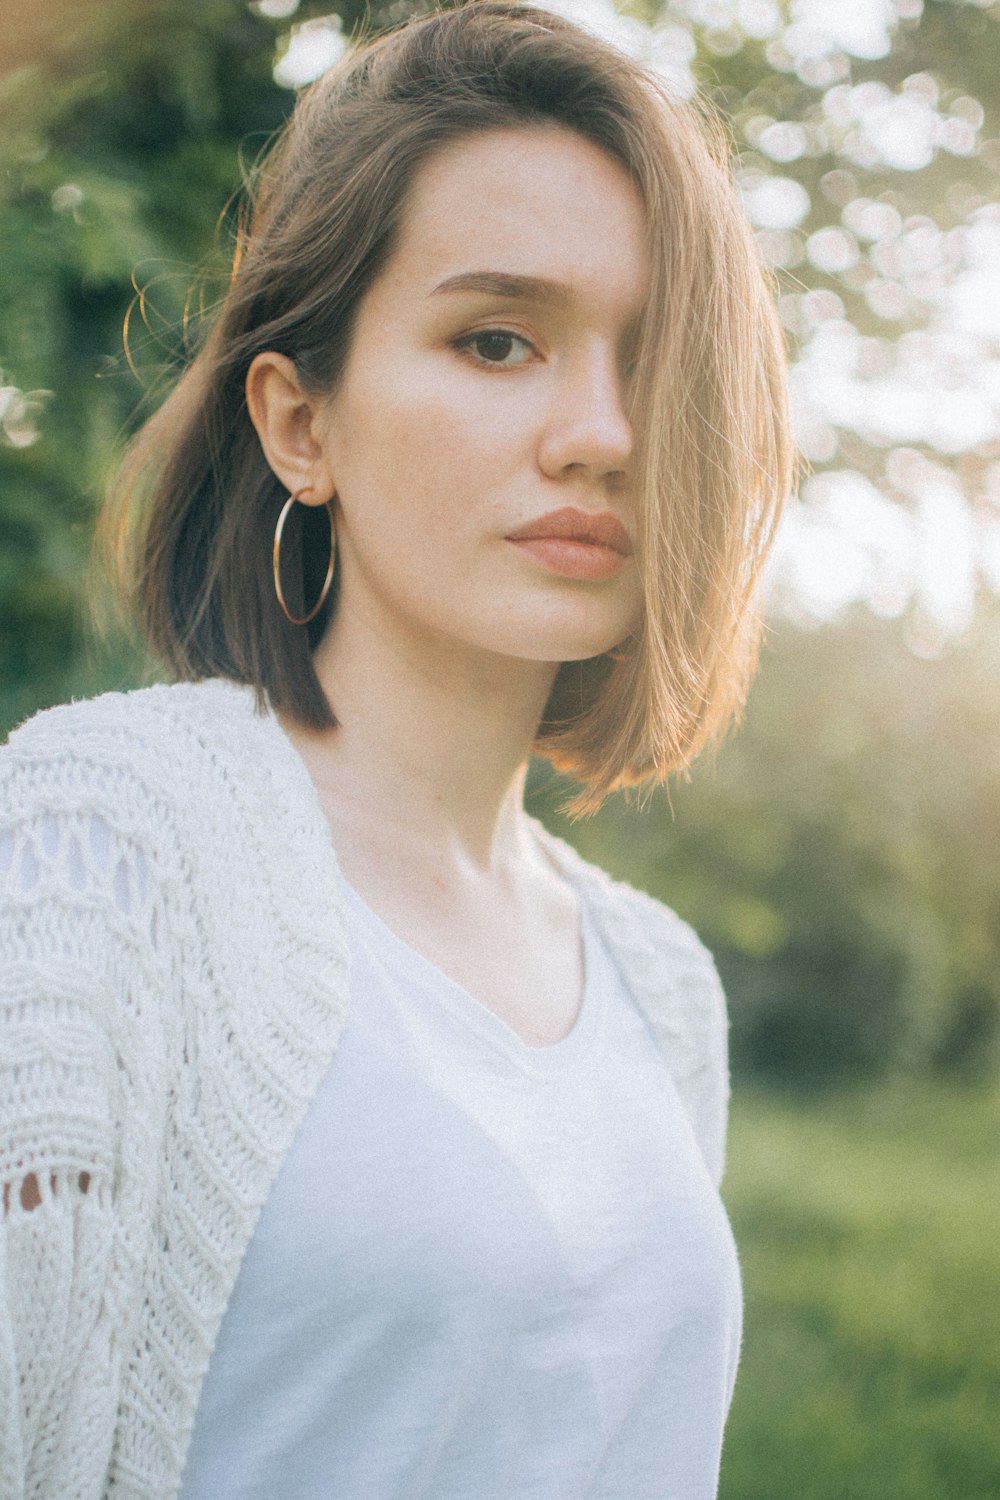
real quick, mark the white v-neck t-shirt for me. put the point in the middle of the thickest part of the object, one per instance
(486, 1270)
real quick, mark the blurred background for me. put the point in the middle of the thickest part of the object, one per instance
(841, 855)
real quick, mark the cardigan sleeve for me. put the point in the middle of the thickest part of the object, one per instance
(78, 1113)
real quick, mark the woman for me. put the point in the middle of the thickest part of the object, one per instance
(391, 1171)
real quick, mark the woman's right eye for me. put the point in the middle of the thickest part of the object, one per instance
(498, 347)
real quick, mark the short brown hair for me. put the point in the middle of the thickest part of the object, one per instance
(189, 523)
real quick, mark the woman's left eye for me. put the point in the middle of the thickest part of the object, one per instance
(499, 347)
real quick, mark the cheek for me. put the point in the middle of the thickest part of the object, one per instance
(433, 441)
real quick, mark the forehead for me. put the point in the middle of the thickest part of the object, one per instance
(539, 201)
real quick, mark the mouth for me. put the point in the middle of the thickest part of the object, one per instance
(575, 543)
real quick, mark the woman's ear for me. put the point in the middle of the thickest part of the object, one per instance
(285, 418)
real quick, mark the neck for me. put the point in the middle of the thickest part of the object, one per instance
(431, 745)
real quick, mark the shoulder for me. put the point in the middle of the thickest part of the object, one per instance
(119, 803)
(193, 775)
(192, 793)
(125, 755)
(647, 931)
(673, 979)
(145, 724)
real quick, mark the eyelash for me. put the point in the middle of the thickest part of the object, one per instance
(468, 342)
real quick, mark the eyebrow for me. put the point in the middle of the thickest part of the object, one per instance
(505, 284)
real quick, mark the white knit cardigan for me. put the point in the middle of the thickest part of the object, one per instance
(173, 983)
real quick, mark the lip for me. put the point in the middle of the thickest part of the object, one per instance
(575, 543)
(602, 529)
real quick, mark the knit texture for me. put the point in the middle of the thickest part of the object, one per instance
(173, 983)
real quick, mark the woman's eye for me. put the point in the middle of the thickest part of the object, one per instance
(497, 346)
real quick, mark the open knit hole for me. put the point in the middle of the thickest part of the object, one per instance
(29, 1193)
(29, 868)
(75, 866)
(123, 887)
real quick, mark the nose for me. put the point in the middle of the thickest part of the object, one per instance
(587, 431)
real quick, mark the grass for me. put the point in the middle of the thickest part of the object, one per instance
(869, 1232)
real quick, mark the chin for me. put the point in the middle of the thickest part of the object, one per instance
(582, 642)
(573, 648)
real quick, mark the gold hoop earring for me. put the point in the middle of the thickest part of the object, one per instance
(278, 531)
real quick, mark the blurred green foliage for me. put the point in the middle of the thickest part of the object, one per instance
(120, 150)
(841, 860)
(871, 1363)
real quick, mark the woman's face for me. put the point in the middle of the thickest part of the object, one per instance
(478, 440)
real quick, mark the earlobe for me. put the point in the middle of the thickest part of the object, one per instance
(284, 417)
